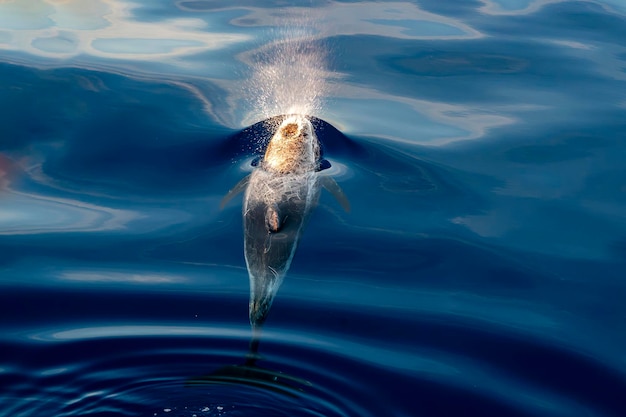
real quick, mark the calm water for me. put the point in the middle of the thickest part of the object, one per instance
(480, 272)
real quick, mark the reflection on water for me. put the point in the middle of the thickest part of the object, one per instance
(24, 213)
(33, 214)
(103, 29)
(6, 169)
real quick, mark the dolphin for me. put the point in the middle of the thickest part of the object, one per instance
(280, 194)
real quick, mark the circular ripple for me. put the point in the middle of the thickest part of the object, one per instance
(162, 370)
(336, 361)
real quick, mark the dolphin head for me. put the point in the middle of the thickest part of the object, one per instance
(293, 148)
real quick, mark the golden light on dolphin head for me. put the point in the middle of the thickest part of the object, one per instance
(293, 148)
(290, 130)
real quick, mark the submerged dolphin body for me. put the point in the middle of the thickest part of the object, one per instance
(279, 197)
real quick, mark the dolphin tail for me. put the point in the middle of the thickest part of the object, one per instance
(241, 185)
(332, 187)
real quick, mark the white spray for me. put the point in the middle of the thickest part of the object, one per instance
(290, 74)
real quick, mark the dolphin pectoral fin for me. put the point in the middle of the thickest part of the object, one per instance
(241, 185)
(331, 185)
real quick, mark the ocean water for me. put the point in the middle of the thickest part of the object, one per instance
(480, 270)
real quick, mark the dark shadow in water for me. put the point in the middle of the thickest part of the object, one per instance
(107, 133)
(250, 374)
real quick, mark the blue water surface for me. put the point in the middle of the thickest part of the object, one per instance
(481, 268)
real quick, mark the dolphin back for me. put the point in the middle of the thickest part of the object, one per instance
(276, 209)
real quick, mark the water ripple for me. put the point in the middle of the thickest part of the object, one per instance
(181, 368)
(25, 213)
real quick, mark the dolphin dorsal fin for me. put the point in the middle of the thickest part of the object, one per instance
(273, 221)
(332, 187)
(241, 185)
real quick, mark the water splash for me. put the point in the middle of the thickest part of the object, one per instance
(290, 75)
